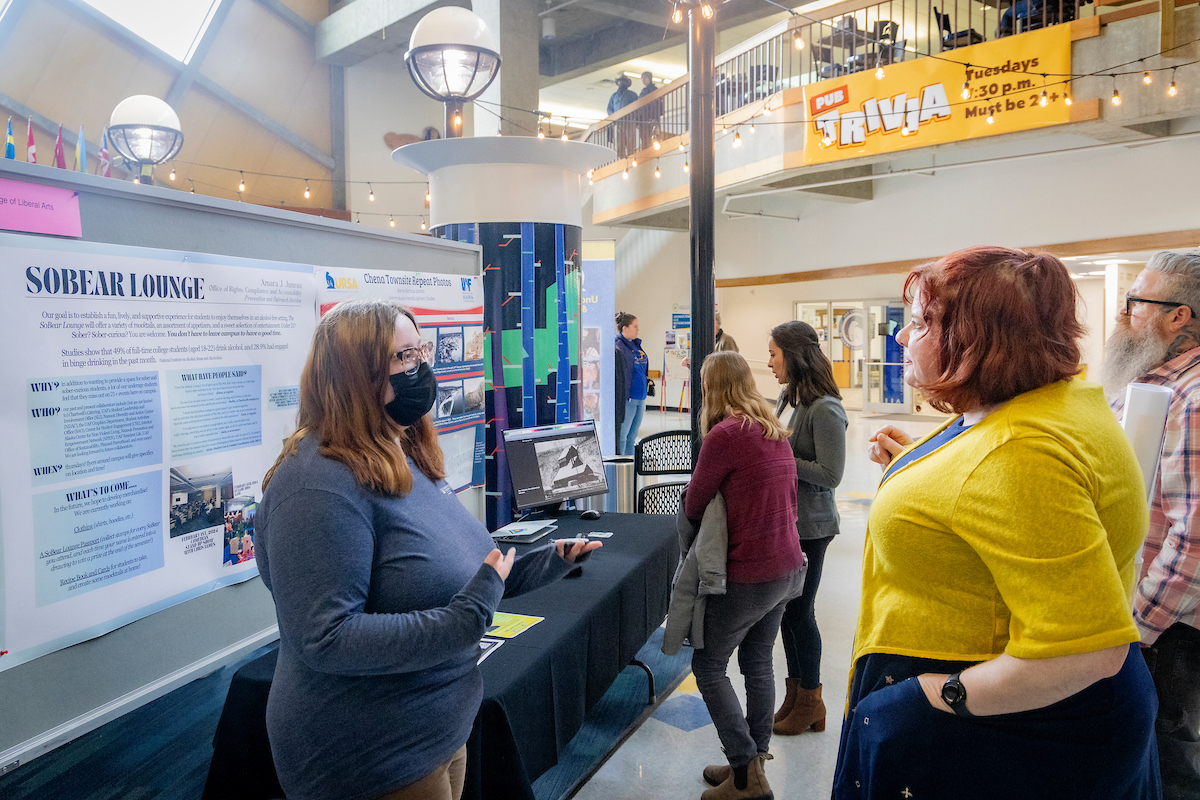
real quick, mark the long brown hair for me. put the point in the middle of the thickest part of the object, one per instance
(729, 391)
(341, 401)
(809, 373)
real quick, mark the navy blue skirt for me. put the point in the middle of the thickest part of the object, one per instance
(1097, 744)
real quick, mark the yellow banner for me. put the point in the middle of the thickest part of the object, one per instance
(920, 102)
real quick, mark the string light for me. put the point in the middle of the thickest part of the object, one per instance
(1171, 92)
(541, 133)
(1116, 96)
(391, 221)
(1146, 79)
(797, 41)
(370, 192)
(904, 131)
(423, 225)
(681, 145)
(676, 14)
(706, 11)
(1044, 101)
(766, 111)
(879, 73)
(827, 140)
(307, 193)
(426, 194)
(991, 118)
(457, 119)
(634, 164)
(564, 133)
(242, 182)
(752, 127)
(137, 179)
(657, 173)
(193, 189)
(737, 139)
(1067, 94)
(357, 218)
(625, 173)
(686, 168)
(655, 144)
(966, 92)
(172, 175)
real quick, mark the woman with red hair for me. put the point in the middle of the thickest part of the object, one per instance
(996, 655)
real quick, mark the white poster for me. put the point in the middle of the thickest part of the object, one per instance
(449, 312)
(145, 393)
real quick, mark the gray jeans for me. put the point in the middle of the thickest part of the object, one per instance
(746, 617)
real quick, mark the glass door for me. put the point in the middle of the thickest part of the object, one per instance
(882, 364)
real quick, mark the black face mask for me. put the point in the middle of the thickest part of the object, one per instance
(415, 395)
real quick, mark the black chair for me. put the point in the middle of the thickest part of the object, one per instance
(665, 453)
(950, 39)
(660, 498)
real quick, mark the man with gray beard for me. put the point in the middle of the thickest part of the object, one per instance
(1157, 341)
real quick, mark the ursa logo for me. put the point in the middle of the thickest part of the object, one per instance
(339, 283)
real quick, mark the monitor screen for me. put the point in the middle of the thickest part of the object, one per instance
(553, 463)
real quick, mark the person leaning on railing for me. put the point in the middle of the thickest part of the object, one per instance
(996, 654)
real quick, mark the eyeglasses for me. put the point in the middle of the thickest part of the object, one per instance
(410, 359)
(1131, 299)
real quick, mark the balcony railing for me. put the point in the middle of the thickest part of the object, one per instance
(861, 37)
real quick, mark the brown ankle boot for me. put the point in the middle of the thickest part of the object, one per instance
(808, 713)
(789, 699)
(757, 787)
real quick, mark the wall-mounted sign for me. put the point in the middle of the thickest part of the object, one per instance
(920, 102)
(34, 208)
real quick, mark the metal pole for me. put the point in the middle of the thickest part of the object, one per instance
(702, 45)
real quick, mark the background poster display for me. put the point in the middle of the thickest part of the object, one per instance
(597, 309)
(449, 312)
(146, 394)
(920, 102)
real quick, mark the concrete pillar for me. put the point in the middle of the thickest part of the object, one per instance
(518, 30)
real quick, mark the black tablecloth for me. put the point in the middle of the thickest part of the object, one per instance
(537, 686)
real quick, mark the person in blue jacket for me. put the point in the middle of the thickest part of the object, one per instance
(633, 368)
(383, 582)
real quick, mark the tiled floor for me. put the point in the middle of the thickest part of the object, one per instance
(664, 757)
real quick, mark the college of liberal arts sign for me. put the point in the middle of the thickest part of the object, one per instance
(920, 102)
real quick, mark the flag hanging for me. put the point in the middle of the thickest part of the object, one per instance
(60, 160)
(80, 152)
(31, 148)
(10, 147)
(104, 166)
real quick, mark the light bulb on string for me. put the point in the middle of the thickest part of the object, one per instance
(1067, 94)
(991, 119)
(625, 174)
(391, 221)
(1146, 79)
(966, 90)
(541, 133)
(797, 41)
(686, 168)
(676, 14)
(307, 193)
(827, 140)
(657, 173)
(426, 194)
(172, 175)
(370, 192)
(752, 127)
(879, 72)
(423, 225)
(634, 164)
(655, 143)
(1116, 98)
(357, 218)
(137, 179)
(766, 111)
(1171, 92)
(1044, 100)
(737, 139)
(242, 182)
(193, 183)
(904, 131)
(681, 145)
(706, 11)
(564, 134)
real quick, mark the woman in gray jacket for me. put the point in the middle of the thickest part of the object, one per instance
(811, 407)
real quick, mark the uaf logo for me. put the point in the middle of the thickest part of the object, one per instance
(831, 99)
(466, 284)
(339, 283)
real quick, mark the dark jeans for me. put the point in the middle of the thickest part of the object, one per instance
(746, 617)
(798, 630)
(1174, 662)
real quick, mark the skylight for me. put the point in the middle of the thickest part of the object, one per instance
(175, 27)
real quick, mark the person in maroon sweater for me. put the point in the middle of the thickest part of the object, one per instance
(745, 455)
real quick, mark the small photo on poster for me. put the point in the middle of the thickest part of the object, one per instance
(239, 530)
(590, 346)
(198, 498)
(449, 346)
(474, 343)
(591, 374)
(473, 389)
(450, 400)
(429, 345)
(591, 405)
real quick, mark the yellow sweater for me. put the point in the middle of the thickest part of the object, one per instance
(1018, 536)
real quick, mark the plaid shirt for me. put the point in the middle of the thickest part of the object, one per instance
(1169, 588)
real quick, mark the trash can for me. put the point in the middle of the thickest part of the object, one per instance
(619, 473)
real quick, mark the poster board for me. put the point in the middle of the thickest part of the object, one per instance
(449, 312)
(597, 361)
(151, 392)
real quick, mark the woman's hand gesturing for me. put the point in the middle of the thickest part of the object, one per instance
(502, 563)
(886, 443)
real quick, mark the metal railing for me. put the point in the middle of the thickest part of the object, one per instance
(865, 38)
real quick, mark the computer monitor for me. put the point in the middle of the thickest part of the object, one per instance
(553, 463)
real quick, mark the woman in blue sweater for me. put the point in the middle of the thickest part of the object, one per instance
(383, 582)
(633, 369)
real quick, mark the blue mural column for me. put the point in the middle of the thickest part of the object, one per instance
(531, 311)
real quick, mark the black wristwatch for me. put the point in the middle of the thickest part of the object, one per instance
(955, 695)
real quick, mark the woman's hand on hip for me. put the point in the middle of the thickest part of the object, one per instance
(502, 563)
(886, 443)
